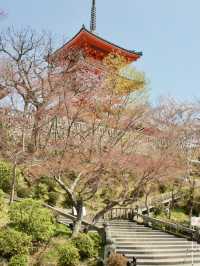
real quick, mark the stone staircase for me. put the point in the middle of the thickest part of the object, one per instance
(152, 247)
(149, 246)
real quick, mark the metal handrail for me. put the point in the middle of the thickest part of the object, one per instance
(174, 227)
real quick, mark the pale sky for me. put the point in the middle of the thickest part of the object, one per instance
(166, 31)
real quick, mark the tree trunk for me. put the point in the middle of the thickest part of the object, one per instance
(146, 204)
(169, 211)
(35, 130)
(171, 204)
(78, 222)
(191, 200)
(12, 193)
(24, 128)
(34, 134)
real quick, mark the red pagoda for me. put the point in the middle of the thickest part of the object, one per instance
(93, 46)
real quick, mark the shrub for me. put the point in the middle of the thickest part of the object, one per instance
(97, 242)
(116, 260)
(6, 176)
(3, 261)
(94, 262)
(53, 198)
(41, 192)
(85, 245)
(23, 192)
(50, 256)
(162, 188)
(18, 260)
(29, 216)
(67, 203)
(14, 243)
(158, 209)
(68, 255)
(51, 183)
(62, 230)
(2, 203)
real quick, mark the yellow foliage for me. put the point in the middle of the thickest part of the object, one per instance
(122, 79)
(115, 61)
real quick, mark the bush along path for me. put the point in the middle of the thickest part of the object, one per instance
(33, 237)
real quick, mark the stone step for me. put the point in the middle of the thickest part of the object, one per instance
(146, 243)
(167, 250)
(124, 223)
(149, 239)
(131, 230)
(158, 256)
(146, 232)
(142, 236)
(129, 227)
(152, 247)
(118, 221)
(165, 262)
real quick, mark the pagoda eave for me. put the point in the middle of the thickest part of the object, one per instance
(94, 46)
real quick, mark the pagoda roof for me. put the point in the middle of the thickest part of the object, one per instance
(98, 46)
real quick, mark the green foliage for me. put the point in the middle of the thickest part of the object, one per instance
(93, 262)
(85, 245)
(3, 210)
(41, 192)
(62, 230)
(6, 176)
(49, 257)
(53, 198)
(13, 243)
(68, 255)
(162, 188)
(178, 216)
(23, 192)
(2, 203)
(97, 242)
(29, 216)
(46, 189)
(51, 184)
(196, 207)
(67, 203)
(158, 209)
(18, 260)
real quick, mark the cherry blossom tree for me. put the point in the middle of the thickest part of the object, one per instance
(180, 124)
